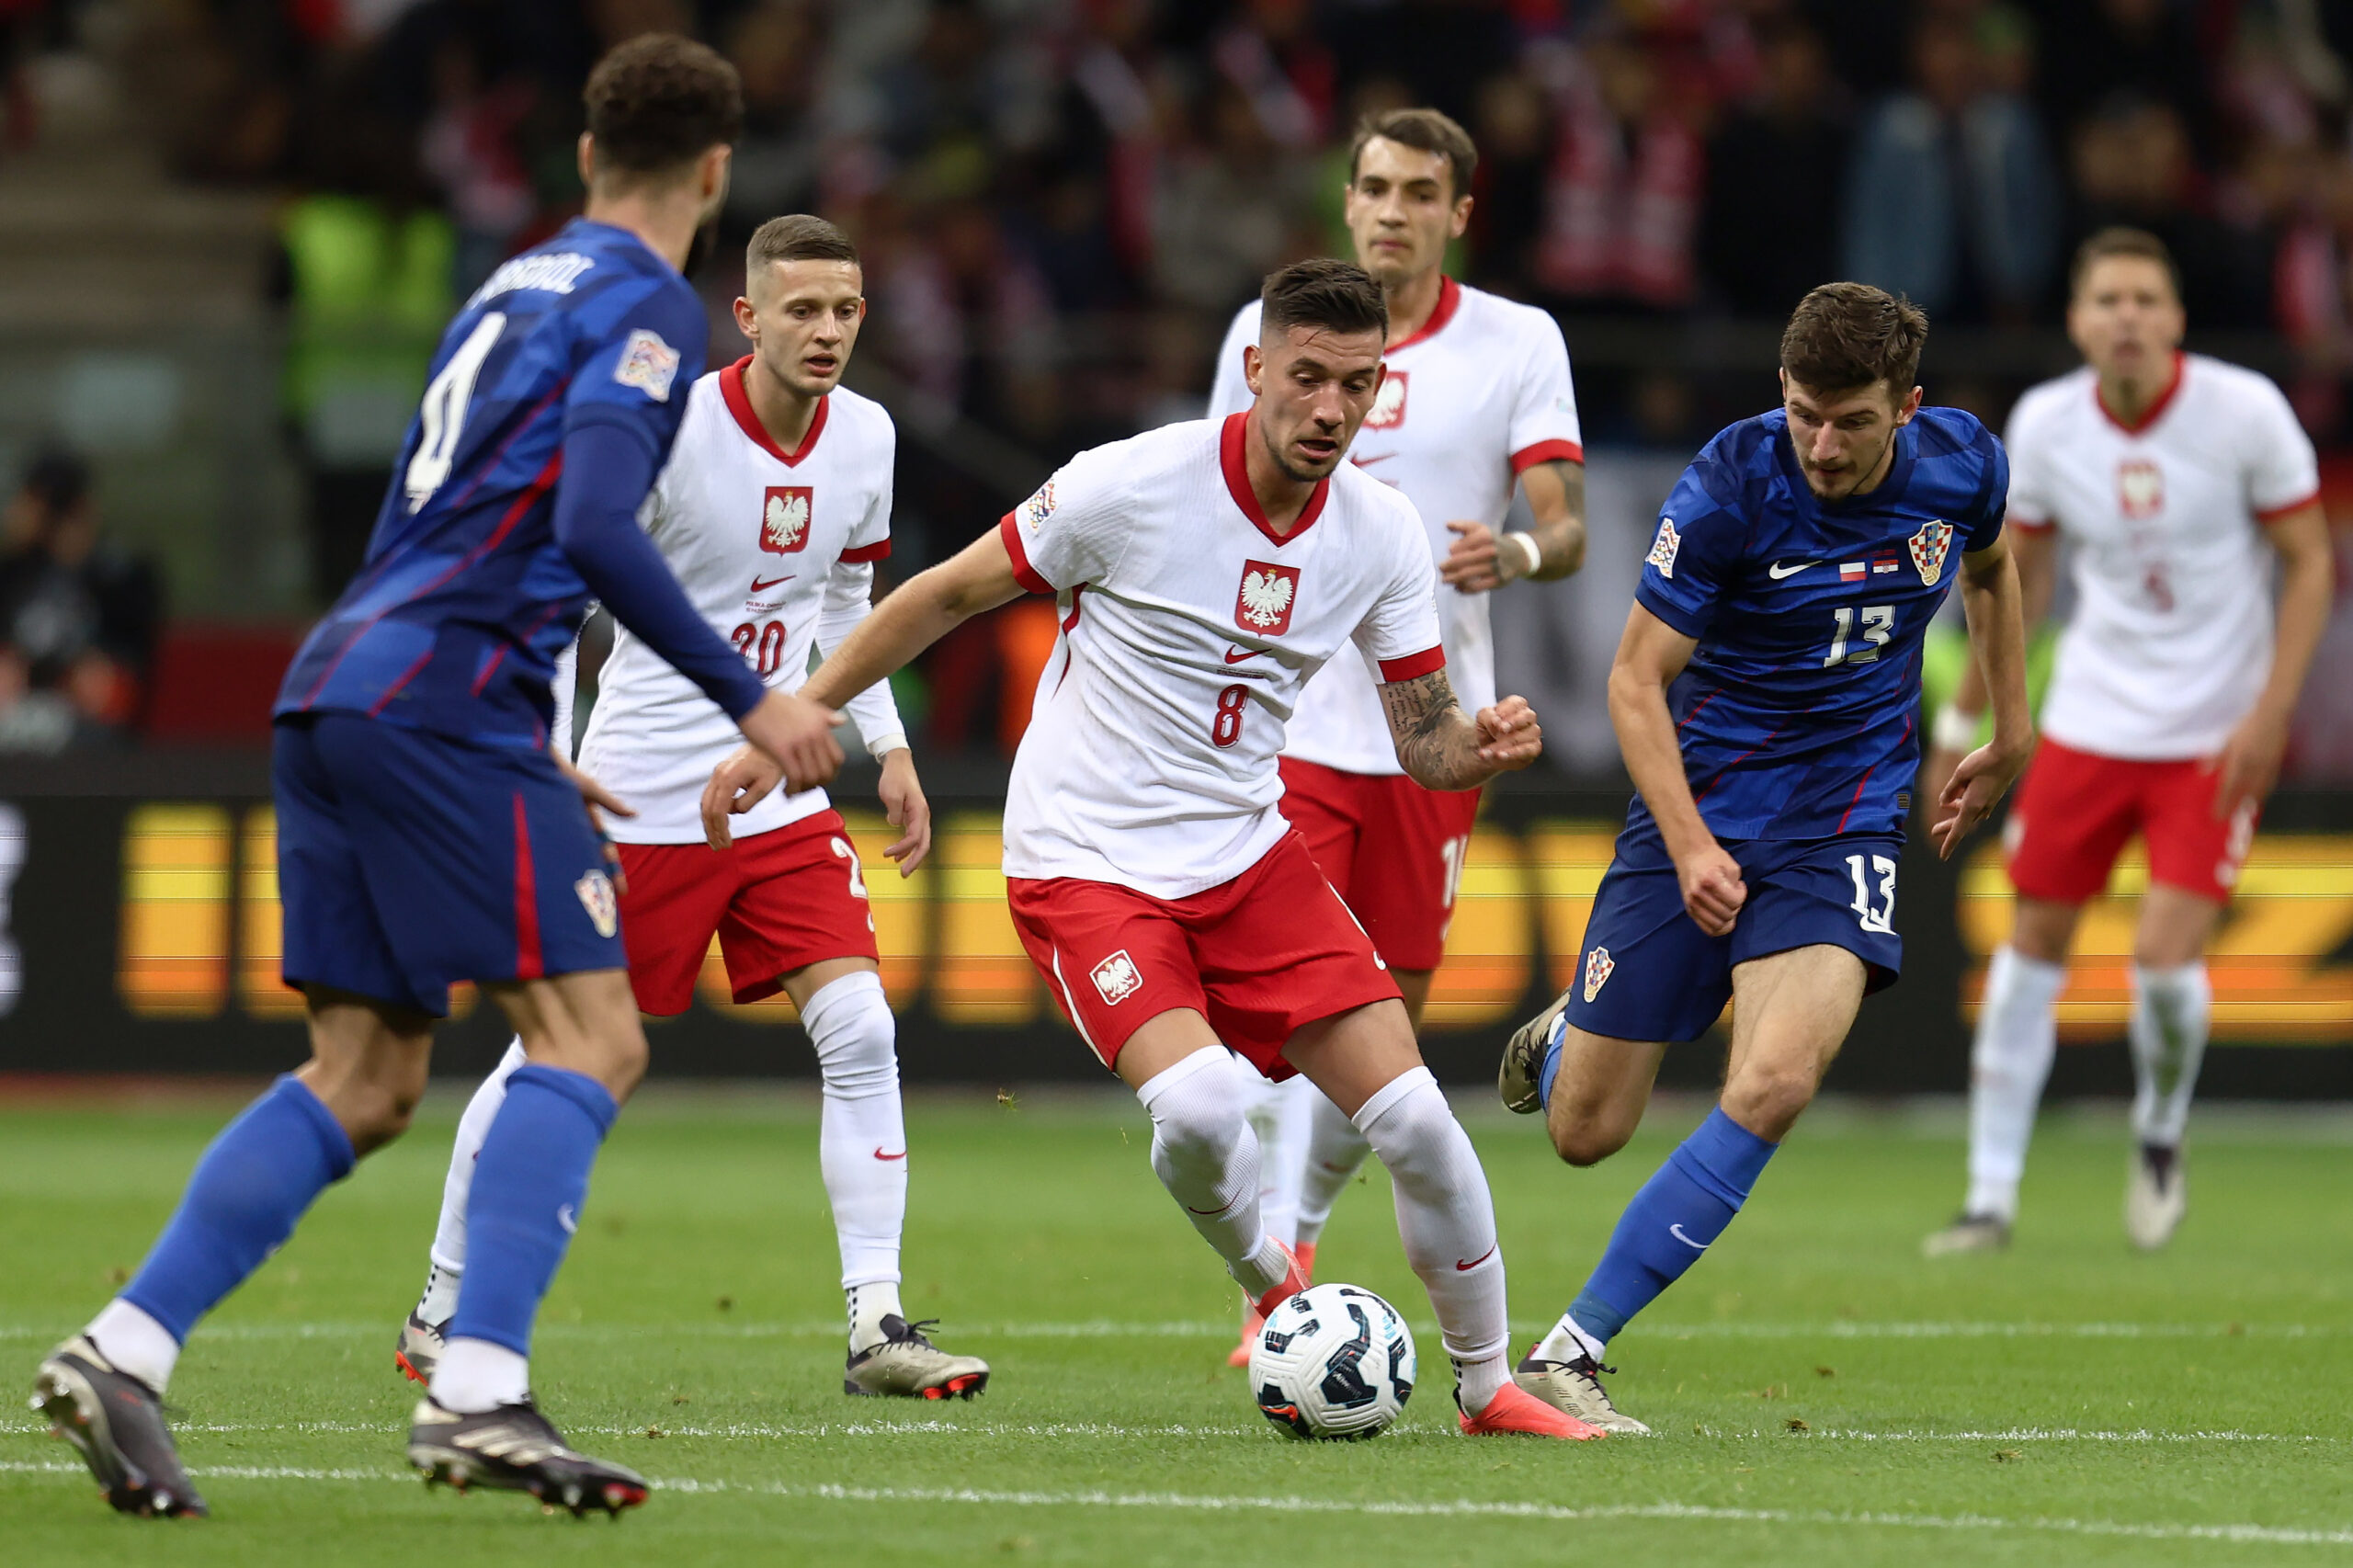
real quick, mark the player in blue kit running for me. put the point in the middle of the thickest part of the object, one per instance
(426, 833)
(1766, 695)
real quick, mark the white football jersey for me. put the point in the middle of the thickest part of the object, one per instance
(2171, 637)
(1189, 628)
(1476, 398)
(776, 550)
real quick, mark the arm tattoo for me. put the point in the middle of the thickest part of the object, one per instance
(1562, 538)
(1436, 742)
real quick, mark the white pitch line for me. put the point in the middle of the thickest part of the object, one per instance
(2244, 1534)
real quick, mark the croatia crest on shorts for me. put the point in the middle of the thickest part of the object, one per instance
(1116, 978)
(1598, 967)
(784, 518)
(1262, 604)
(596, 891)
(1928, 549)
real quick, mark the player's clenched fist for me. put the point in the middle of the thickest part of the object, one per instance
(1713, 890)
(1509, 736)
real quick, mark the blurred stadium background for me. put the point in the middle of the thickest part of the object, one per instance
(230, 230)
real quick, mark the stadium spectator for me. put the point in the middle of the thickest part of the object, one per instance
(1622, 204)
(78, 616)
(1950, 198)
(2132, 168)
(1766, 238)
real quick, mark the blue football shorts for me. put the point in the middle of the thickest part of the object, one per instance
(408, 860)
(1648, 972)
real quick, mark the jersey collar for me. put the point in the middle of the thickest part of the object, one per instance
(2157, 405)
(1450, 299)
(1237, 483)
(739, 403)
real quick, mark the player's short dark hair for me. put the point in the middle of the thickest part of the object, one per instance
(1844, 336)
(660, 101)
(2121, 241)
(1425, 130)
(797, 236)
(1337, 296)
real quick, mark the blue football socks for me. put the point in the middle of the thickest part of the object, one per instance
(529, 1182)
(248, 1190)
(1676, 1216)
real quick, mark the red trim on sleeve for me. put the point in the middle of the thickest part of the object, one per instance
(1413, 666)
(2030, 522)
(1008, 528)
(1545, 453)
(529, 965)
(739, 403)
(2273, 514)
(1237, 483)
(875, 551)
(1450, 299)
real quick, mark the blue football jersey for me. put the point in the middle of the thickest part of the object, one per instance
(1797, 715)
(454, 622)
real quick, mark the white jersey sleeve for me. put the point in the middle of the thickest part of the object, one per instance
(1400, 639)
(1544, 405)
(1074, 529)
(849, 598)
(564, 691)
(1229, 394)
(2031, 491)
(2282, 471)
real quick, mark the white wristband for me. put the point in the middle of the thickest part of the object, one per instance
(1529, 548)
(1954, 730)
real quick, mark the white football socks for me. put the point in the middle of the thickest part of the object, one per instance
(1447, 1220)
(1207, 1156)
(1279, 1115)
(2171, 1010)
(448, 1253)
(1336, 1151)
(1567, 1341)
(131, 1339)
(2009, 1062)
(475, 1375)
(862, 1143)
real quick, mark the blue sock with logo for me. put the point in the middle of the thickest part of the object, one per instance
(529, 1182)
(1676, 1216)
(260, 1175)
(1551, 1068)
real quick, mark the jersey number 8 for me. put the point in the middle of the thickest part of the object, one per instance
(1226, 728)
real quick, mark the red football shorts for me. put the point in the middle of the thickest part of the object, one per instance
(1393, 850)
(1260, 957)
(777, 902)
(2076, 810)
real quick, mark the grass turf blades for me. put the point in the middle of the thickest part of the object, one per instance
(1816, 1388)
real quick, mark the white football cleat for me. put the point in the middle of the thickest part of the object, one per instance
(1574, 1388)
(1970, 1232)
(2157, 1195)
(905, 1364)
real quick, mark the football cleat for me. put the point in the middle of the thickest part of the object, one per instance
(1519, 1078)
(1293, 1282)
(2157, 1195)
(1970, 1233)
(1514, 1412)
(1253, 1320)
(1574, 1388)
(418, 1349)
(513, 1448)
(116, 1423)
(906, 1365)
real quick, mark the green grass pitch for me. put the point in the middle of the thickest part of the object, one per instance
(1820, 1394)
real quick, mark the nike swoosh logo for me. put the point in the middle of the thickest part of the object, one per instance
(758, 584)
(880, 1155)
(1462, 1268)
(563, 1217)
(1676, 1231)
(1239, 655)
(1776, 571)
(1367, 462)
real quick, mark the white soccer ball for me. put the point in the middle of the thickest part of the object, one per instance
(1334, 1361)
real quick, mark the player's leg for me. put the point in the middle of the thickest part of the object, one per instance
(1790, 1014)
(1335, 1149)
(1365, 1061)
(2073, 814)
(2009, 1061)
(418, 1349)
(2172, 1000)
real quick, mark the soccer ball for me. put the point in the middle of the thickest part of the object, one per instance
(1334, 1361)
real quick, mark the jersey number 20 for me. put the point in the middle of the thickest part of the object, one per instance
(441, 417)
